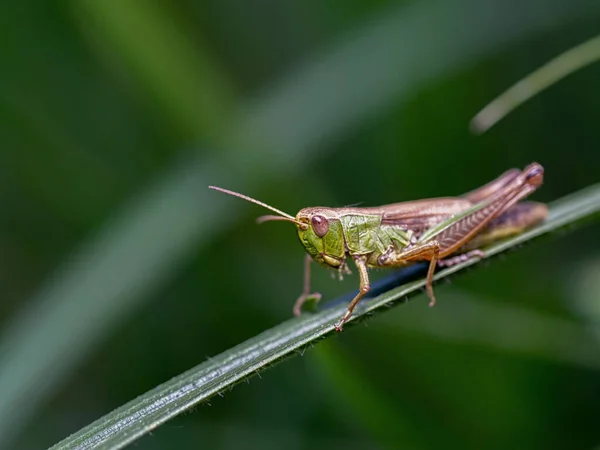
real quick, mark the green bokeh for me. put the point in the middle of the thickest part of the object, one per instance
(106, 105)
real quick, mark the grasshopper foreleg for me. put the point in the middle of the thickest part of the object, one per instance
(306, 289)
(361, 265)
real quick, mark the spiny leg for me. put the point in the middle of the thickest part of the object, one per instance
(361, 265)
(513, 221)
(458, 231)
(306, 289)
(429, 251)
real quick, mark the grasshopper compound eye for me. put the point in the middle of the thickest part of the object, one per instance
(320, 224)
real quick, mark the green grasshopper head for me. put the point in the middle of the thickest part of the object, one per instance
(319, 229)
(321, 233)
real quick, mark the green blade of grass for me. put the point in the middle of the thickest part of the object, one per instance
(145, 413)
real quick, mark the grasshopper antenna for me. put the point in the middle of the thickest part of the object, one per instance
(282, 216)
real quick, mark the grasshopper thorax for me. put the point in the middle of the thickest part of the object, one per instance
(321, 233)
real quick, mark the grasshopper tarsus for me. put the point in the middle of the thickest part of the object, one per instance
(339, 326)
(297, 310)
(300, 301)
(443, 231)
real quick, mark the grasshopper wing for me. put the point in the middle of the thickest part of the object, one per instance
(420, 215)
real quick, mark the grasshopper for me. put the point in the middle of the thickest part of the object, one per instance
(443, 231)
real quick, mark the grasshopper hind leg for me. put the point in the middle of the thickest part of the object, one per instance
(500, 215)
(515, 220)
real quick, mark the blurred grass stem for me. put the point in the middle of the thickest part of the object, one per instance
(550, 73)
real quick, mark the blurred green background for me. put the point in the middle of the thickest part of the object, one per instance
(120, 269)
